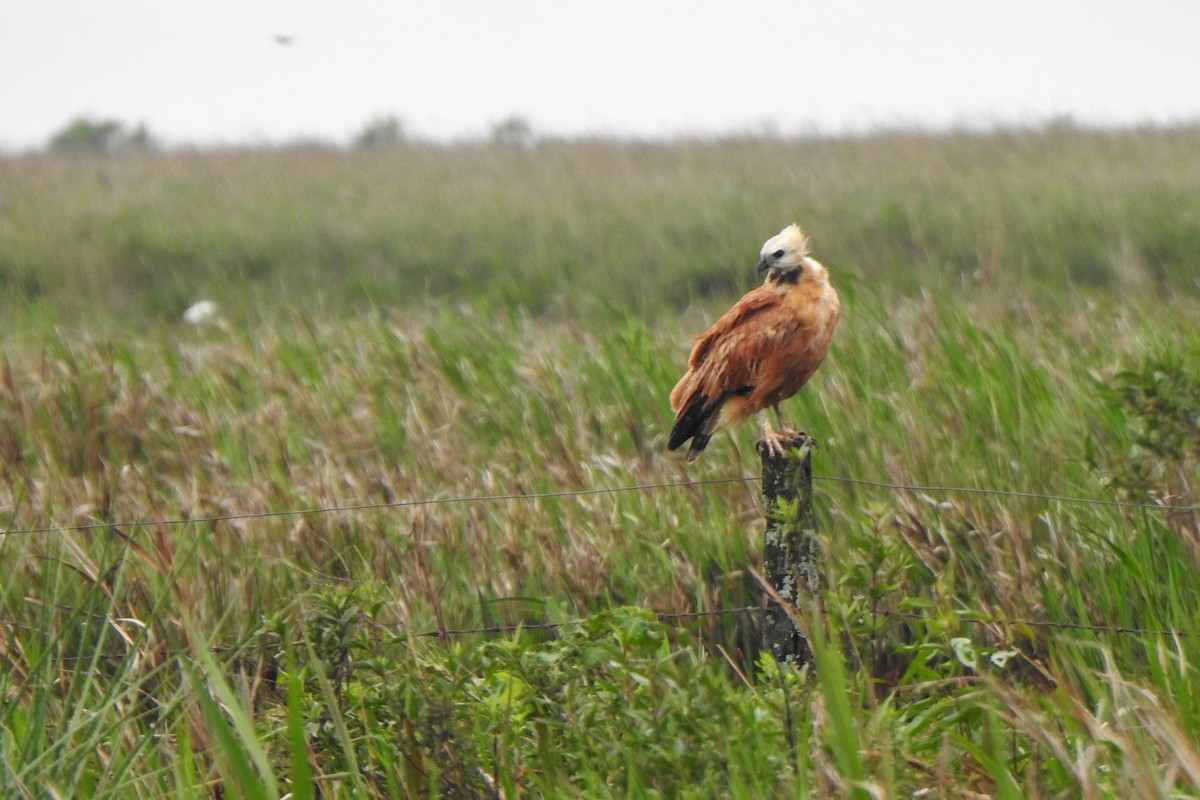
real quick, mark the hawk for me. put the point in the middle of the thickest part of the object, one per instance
(762, 351)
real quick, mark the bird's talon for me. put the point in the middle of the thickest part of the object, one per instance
(775, 444)
(779, 445)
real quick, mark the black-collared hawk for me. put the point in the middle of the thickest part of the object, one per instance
(760, 352)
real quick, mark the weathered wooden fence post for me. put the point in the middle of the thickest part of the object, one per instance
(790, 552)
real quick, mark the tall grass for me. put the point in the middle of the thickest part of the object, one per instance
(265, 655)
(585, 225)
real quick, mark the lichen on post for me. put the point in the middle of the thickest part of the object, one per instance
(790, 550)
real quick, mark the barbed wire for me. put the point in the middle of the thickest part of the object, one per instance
(1045, 623)
(434, 501)
(666, 617)
(1006, 493)
(678, 616)
(669, 617)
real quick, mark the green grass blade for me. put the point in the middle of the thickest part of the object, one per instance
(238, 742)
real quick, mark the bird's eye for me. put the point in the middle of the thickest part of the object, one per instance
(777, 254)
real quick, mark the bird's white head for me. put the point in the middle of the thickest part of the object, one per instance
(784, 257)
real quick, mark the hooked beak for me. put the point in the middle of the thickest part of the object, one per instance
(763, 266)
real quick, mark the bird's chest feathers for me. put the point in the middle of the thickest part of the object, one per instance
(798, 346)
(815, 309)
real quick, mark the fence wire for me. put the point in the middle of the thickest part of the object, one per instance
(666, 617)
(669, 618)
(1006, 493)
(437, 501)
(681, 616)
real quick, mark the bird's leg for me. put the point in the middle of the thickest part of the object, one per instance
(774, 443)
(784, 430)
(778, 443)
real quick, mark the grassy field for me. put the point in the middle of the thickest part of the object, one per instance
(432, 324)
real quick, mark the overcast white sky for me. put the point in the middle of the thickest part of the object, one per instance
(213, 71)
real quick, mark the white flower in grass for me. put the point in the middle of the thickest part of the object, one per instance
(964, 651)
(1001, 657)
(201, 313)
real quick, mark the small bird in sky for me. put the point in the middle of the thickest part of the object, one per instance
(760, 352)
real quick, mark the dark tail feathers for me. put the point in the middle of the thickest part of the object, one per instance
(696, 422)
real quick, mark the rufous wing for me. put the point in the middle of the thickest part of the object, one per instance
(740, 361)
